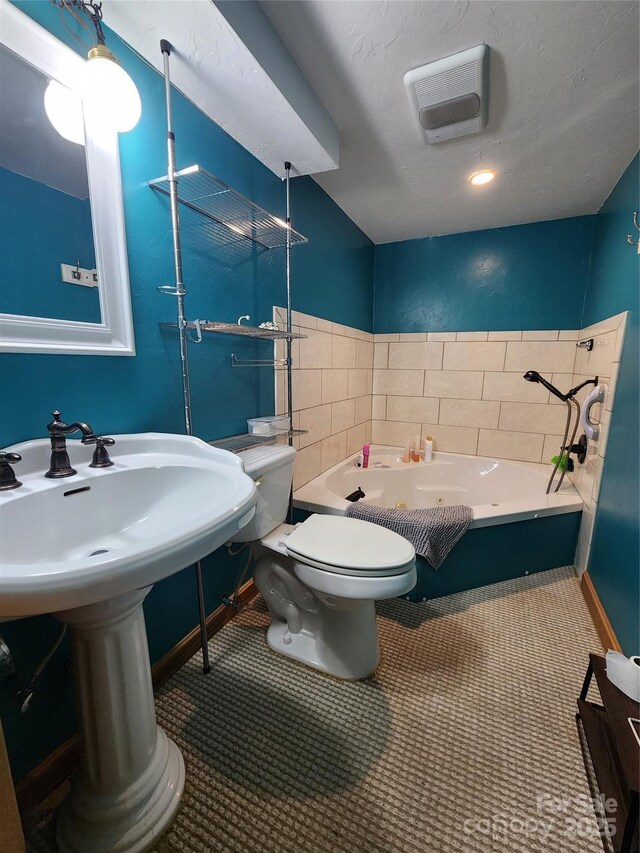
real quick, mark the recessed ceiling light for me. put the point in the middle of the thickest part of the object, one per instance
(483, 177)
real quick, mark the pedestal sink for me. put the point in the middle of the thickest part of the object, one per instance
(88, 548)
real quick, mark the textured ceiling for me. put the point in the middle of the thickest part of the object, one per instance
(563, 108)
(231, 64)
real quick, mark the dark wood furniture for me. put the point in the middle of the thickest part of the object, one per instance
(614, 750)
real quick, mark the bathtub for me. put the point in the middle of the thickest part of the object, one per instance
(498, 490)
(516, 530)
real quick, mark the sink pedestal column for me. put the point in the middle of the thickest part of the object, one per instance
(128, 787)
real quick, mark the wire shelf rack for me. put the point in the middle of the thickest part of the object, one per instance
(236, 329)
(237, 443)
(230, 218)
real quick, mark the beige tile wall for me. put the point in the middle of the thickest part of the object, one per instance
(332, 383)
(603, 361)
(466, 389)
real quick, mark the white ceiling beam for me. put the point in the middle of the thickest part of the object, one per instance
(229, 61)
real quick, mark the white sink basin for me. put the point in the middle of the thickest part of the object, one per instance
(167, 501)
(88, 548)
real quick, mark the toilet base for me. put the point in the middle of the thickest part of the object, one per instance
(335, 635)
(350, 653)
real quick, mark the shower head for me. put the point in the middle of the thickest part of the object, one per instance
(534, 376)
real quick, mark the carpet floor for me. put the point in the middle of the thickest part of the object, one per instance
(463, 740)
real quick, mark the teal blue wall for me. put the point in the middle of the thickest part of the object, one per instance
(521, 277)
(332, 278)
(614, 285)
(566, 273)
(59, 225)
(484, 555)
(524, 277)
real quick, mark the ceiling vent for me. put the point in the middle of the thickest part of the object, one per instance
(450, 96)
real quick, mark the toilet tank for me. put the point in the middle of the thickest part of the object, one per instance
(272, 469)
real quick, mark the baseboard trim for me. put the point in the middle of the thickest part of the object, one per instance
(599, 614)
(58, 765)
(186, 648)
(12, 838)
(46, 776)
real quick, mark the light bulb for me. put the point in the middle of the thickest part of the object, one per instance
(483, 177)
(110, 90)
(64, 110)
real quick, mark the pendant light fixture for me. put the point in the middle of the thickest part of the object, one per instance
(114, 92)
(105, 87)
(63, 107)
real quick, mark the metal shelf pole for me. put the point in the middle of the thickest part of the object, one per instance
(165, 47)
(287, 169)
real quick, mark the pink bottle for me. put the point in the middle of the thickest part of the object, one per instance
(365, 455)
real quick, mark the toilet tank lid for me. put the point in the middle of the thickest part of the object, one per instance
(260, 460)
(349, 543)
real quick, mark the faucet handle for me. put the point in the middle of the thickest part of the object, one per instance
(56, 422)
(7, 477)
(101, 454)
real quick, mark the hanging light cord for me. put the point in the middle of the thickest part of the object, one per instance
(68, 4)
(63, 19)
(92, 10)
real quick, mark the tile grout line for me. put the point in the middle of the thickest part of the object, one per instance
(424, 391)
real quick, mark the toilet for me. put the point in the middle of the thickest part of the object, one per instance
(320, 578)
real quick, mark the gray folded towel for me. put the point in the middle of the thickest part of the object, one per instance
(432, 532)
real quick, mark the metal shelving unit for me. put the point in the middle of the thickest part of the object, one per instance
(237, 443)
(228, 216)
(225, 217)
(236, 329)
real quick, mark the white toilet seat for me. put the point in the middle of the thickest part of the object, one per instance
(349, 572)
(350, 547)
(356, 587)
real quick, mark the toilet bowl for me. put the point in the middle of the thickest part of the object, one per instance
(320, 578)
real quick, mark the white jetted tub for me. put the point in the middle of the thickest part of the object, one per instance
(499, 491)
